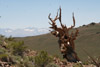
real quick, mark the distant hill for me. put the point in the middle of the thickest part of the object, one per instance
(88, 40)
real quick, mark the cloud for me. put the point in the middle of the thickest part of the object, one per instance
(24, 32)
(29, 30)
(8, 31)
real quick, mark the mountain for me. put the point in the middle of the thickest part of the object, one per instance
(29, 31)
(88, 40)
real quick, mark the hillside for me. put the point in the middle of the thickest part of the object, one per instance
(88, 40)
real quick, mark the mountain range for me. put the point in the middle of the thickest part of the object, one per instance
(29, 31)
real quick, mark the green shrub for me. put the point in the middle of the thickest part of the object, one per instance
(2, 50)
(17, 48)
(42, 59)
(31, 58)
(24, 63)
(3, 57)
(10, 38)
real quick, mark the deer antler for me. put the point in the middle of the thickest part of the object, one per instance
(60, 15)
(60, 19)
(53, 21)
(73, 22)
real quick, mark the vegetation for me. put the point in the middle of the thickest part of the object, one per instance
(13, 52)
(42, 59)
(17, 48)
(93, 23)
(88, 39)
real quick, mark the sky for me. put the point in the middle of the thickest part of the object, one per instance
(34, 13)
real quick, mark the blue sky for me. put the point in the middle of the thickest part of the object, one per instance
(34, 13)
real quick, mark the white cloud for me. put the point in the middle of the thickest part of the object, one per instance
(8, 31)
(43, 30)
(30, 30)
(24, 32)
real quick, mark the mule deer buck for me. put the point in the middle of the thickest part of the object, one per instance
(66, 40)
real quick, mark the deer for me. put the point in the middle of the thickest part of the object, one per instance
(66, 40)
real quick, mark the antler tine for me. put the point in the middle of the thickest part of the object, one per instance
(49, 23)
(60, 14)
(49, 16)
(73, 20)
(56, 17)
(60, 18)
(51, 19)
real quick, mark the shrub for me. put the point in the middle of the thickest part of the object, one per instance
(42, 59)
(97, 32)
(3, 57)
(2, 50)
(84, 25)
(17, 48)
(10, 38)
(93, 23)
(24, 62)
